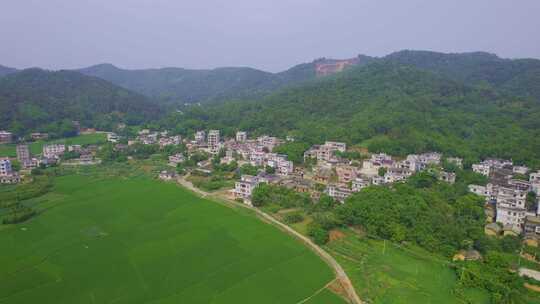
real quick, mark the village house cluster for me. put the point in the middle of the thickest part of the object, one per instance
(339, 176)
(506, 197)
(51, 154)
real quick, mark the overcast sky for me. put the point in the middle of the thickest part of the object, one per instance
(266, 34)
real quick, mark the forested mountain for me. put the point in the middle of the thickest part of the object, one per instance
(518, 76)
(388, 107)
(4, 70)
(38, 100)
(179, 86)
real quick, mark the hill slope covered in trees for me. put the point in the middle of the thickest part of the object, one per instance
(388, 107)
(38, 100)
(178, 85)
(517, 76)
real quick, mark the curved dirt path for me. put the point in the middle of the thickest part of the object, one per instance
(341, 276)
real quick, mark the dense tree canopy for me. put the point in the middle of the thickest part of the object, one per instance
(42, 101)
(391, 108)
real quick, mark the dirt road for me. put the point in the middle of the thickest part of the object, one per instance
(338, 270)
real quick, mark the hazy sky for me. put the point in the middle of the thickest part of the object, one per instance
(267, 34)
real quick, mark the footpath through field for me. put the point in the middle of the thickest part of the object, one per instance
(341, 276)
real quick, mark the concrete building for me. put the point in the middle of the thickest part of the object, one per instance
(23, 153)
(244, 188)
(359, 183)
(481, 168)
(338, 192)
(200, 137)
(520, 170)
(39, 136)
(479, 190)
(346, 173)
(112, 137)
(5, 137)
(534, 178)
(5, 167)
(53, 150)
(336, 146)
(167, 175)
(213, 138)
(241, 136)
(325, 152)
(511, 209)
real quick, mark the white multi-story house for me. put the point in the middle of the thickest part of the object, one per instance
(241, 136)
(269, 142)
(257, 158)
(5, 137)
(213, 138)
(511, 209)
(285, 167)
(170, 141)
(359, 184)
(346, 173)
(482, 168)
(338, 192)
(214, 141)
(200, 137)
(520, 169)
(415, 162)
(112, 137)
(336, 146)
(377, 180)
(5, 167)
(480, 190)
(534, 178)
(23, 153)
(431, 158)
(325, 152)
(498, 163)
(53, 150)
(396, 174)
(244, 188)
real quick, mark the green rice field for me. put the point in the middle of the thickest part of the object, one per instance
(137, 240)
(8, 150)
(384, 273)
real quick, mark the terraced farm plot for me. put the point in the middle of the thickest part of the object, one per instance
(141, 241)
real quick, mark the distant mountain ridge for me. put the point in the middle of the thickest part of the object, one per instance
(4, 70)
(180, 85)
(518, 76)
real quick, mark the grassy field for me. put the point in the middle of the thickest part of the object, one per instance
(37, 146)
(136, 240)
(384, 273)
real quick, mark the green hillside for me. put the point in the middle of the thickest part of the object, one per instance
(388, 107)
(518, 76)
(38, 100)
(179, 86)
